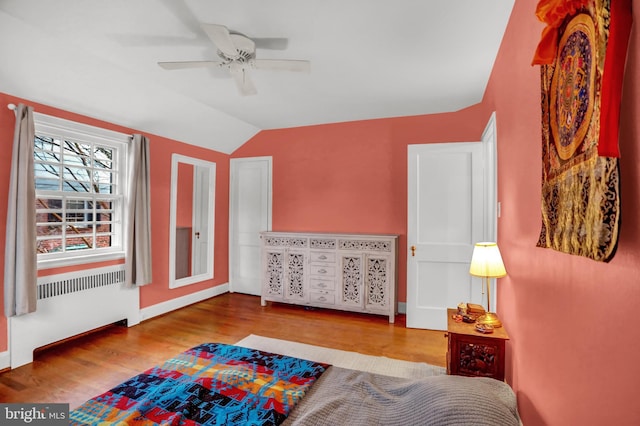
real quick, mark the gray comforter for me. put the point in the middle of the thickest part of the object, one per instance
(349, 397)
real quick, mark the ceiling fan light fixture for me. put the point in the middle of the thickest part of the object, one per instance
(238, 55)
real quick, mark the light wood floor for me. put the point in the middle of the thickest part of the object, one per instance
(76, 370)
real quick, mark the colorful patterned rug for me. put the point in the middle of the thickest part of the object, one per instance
(210, 384)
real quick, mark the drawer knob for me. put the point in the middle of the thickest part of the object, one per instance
(323, 257)
(322, 271)
(322, 299)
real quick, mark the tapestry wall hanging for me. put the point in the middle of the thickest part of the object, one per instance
(582, 54)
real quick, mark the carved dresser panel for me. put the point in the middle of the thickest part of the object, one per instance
(339, 271)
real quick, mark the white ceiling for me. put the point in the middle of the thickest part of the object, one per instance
(369, 59)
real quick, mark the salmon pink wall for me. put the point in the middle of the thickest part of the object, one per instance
(572, 358)
(161, 150)
(352, 177)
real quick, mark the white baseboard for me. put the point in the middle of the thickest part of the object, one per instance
(181, 302)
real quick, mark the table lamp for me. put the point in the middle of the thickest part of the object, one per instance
(486, 263)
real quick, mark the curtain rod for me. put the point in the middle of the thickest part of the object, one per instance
(14, 108)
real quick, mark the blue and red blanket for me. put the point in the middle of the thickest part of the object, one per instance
(210, 384)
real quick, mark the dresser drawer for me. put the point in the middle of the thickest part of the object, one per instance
(322, 256)
(328, 298)
(322, 270)
(322, 284)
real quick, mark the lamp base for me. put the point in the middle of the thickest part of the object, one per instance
(491, 319)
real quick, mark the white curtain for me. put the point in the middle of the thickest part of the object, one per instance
(20, 257)
(137, 238)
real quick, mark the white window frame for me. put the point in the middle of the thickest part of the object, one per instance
(46, 125)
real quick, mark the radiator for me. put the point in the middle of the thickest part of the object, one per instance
(71, 304)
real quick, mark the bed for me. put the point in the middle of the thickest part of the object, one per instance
(220, 384)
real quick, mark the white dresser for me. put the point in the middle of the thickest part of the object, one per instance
(351, 272)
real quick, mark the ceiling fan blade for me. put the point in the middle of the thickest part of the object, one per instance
(181, 11)
(137, 40)
(243, 80)
(219, 35)
(281, 64)
(189, 64)
(271, 43)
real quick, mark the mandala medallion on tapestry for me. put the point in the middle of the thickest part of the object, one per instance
(580, 187)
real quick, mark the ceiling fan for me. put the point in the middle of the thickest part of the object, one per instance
(237, 53)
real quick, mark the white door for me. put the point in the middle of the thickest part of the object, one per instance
(249, 213)
(446, 217)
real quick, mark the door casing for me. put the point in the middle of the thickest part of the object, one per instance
(461, 197)
(250, 211)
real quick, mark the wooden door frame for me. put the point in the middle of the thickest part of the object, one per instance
(491, 205)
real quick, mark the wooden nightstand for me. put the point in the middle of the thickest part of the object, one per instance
(471, 353)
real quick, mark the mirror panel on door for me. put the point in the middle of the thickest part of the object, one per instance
(191, 220)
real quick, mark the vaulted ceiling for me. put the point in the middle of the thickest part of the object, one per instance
(369, 59)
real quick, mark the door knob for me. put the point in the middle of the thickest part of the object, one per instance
(413, 250)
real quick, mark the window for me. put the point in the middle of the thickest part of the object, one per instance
(80, 176)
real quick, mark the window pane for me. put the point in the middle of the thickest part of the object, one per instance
(78, 243)
(75, 160)
(43, 184)
(77, 218)
(48, 203)
(48, 144)
(104, 217)
(46, 157)
(77, 173)
(46, 170)
(49, 230)
(102, 177)
(73, 186)
(49, 246)
(46, 218)
(103, 158)
(80, 229)
(104, 205)
(77, 153)
(104, 241)
(104, 228)
(105, 165)
(104, 188)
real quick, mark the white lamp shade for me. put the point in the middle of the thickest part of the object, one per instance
(487, 261)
